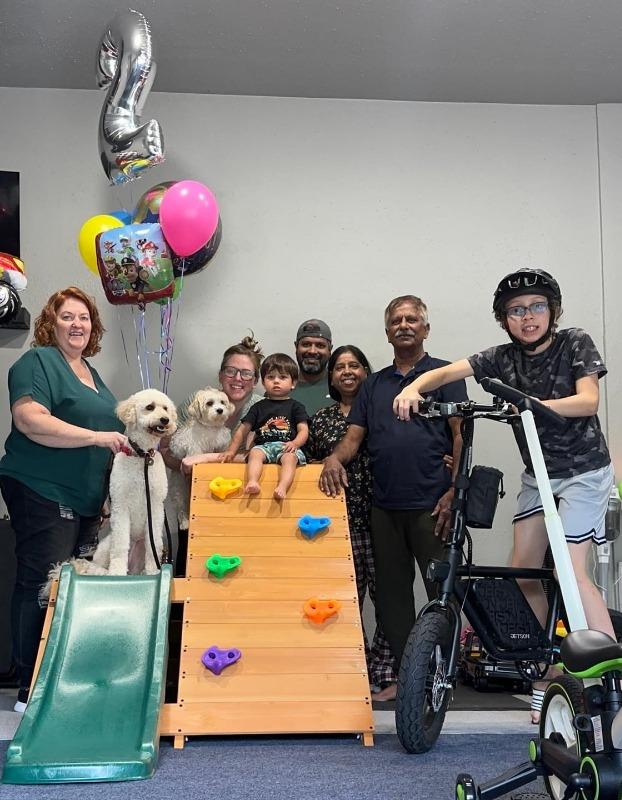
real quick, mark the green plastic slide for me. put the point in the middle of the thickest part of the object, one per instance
(93, 712)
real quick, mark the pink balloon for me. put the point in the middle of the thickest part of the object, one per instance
(188, 216)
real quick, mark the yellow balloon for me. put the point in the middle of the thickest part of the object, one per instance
(88, 232)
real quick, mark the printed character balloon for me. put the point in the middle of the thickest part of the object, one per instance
(134, 264)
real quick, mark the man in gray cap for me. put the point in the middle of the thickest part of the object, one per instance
(314, 343)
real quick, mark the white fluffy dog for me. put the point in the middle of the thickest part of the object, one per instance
(148, 416)
(203, 432)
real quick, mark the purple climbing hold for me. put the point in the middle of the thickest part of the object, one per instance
(216, 659)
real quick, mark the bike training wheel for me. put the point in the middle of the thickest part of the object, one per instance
(422, 693)
(562, 701)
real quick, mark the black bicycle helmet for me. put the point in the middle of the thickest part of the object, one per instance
(10, 303)
(525, 281)
(528, 280)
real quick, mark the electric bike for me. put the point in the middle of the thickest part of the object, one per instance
(489, 597)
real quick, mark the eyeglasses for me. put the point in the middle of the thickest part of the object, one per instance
(245, 374)
(535, 308)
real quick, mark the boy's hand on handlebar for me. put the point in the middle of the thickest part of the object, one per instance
(409, 398)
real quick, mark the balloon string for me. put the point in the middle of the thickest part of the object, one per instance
(167, 338)
(177, 311)
(140, 366)
(120, 321)
(143, 336)
(141, 353)
(165, 343)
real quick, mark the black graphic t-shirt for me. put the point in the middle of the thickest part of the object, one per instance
(275, 420)
(577, 447)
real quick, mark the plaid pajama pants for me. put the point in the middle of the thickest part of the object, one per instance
(380, 661)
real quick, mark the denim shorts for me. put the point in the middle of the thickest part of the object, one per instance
(273, 452)
(582, 503)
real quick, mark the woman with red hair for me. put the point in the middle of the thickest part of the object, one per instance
(53, 472)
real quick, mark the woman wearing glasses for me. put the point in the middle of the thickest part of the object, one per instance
(238, 376)
(562, 369)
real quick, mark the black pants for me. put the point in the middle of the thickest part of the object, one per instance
(182, 553)
(398, 539)
(45, 533)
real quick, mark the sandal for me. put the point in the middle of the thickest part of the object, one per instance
(537, 696)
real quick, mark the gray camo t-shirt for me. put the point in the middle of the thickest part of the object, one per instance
(577, 447)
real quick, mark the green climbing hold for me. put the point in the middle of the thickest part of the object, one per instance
(219, 565)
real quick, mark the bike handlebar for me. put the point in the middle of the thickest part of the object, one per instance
(522, 401)
(432, 408)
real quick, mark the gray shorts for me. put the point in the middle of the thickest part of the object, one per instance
(582, 503)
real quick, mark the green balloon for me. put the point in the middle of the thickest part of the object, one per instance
(176, 292)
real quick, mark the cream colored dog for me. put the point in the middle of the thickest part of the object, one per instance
(148, 416)
(203, 432)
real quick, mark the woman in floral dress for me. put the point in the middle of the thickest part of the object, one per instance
(347, 369)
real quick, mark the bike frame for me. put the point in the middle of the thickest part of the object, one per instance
(449, 571)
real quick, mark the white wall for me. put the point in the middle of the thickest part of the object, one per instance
(330, 208)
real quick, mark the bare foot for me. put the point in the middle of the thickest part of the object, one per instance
(252, 487)
(388, 693)
(280, 493)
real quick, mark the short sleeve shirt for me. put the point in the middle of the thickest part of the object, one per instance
(406, 458)
(72, 476)
(275, 420)
(577, 447)
(313, 396)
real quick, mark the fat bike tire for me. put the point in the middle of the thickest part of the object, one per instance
(422, 691)
(562, 702)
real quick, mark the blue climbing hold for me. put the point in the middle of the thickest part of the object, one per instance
(311, 526)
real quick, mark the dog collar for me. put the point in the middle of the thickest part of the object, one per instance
(137, 451)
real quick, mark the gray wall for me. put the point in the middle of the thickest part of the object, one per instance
(330, 208)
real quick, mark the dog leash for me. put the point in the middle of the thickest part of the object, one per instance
(148, 457)
(106, 492)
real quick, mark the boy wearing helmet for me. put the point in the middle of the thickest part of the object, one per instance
(561, 369)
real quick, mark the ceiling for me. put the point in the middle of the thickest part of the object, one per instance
(494, 51)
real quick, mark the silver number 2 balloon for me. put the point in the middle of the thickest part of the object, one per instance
(126, 65)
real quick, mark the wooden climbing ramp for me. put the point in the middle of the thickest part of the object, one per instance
(294, 675)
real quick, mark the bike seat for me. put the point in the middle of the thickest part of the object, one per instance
(589, 654)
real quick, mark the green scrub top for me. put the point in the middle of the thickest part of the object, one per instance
(73, 476)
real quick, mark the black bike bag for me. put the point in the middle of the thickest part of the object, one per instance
(485, 489)
(507, 617)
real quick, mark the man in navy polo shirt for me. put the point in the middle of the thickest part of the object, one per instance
(412, 491)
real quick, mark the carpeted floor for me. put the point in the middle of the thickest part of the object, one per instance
(301, 769)
(466, 698)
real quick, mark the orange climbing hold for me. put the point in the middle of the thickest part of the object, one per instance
(223, 487)
(320, 610)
